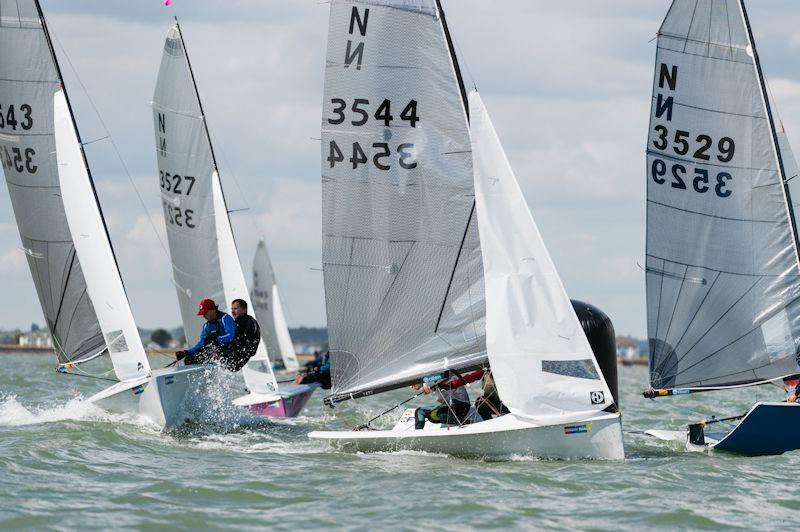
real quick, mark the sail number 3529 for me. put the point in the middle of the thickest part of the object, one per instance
(680, 177)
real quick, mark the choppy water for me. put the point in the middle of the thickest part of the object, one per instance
(67, 465)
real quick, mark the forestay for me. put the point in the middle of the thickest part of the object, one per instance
(29, 78)
(541, 360)
(401, 258)
(104, 284)
(268, 309)
(722, 263)
(186, 169)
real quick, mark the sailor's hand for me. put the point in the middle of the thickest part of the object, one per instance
(417, 387)
(426, 389)
(792, 398)
(180, 355)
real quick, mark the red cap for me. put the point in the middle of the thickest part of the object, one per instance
(206, 305)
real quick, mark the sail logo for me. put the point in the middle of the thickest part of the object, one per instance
(597, 398)
(169, 379)
(356, 54)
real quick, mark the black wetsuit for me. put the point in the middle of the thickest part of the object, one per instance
(244, 345)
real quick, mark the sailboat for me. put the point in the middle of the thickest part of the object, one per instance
(722, 268)
(205, 262)
(62, 228)
(432, 262)
(269, 310)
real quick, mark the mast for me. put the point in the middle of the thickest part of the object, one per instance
(775, 143)
(465, 102)
(77, 132)
(205, 123)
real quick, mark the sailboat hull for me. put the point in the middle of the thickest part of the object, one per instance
(767, 429)
(161, 397)
(508, 436)
(288, 402)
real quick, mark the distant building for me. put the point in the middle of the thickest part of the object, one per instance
(36, 339)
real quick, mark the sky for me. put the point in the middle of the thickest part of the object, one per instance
(568, 85)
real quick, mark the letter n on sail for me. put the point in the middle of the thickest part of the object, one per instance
(356, 53)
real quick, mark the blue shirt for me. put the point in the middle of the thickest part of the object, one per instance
(219, 331)
(326, 364)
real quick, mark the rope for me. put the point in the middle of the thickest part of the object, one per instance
(113, 144)
(86, 375)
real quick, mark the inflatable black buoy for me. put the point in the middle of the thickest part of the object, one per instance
(600, 332)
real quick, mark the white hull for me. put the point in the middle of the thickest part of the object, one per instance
(160, 397)
(599, 437)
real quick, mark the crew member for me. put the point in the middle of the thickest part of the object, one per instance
(218, 332)
(320, 373)
(245, 342)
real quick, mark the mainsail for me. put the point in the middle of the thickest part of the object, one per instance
(540, 357)
(269, 310)
(186, 172)
(722, 260)
(401, 257)
(29, 77)
(205, 262)
(58, 214)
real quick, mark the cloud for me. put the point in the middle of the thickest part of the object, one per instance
(568, 85)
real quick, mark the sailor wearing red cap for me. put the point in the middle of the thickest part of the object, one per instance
(218, 331)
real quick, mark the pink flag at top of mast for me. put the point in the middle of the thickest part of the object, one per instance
(167, 2)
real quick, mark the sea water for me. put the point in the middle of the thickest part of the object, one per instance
(65, 464)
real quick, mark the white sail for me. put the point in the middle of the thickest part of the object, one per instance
(258, 375)
(268, 309)
(540, 357)
(284, 340)
(103, 282)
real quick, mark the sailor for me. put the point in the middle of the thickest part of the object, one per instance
(218, 332)
(245, 342)
(320, 373)
(794, 397)
(453, 399)
(489, 404)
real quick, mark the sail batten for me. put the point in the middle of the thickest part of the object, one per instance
(718, 209)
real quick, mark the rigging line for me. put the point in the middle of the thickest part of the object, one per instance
(691, 22)
(677, 299)
(455, 266)
(691, 321)
(730, 35)
(86, 375)
(678, 360)
(113, 144)
(710, 19)
(660, 294)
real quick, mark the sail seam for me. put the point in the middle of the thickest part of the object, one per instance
(707, 215)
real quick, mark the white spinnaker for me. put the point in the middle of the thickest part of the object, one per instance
(282, 331)
(257, 372)
(540, 358)
(103, 282)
